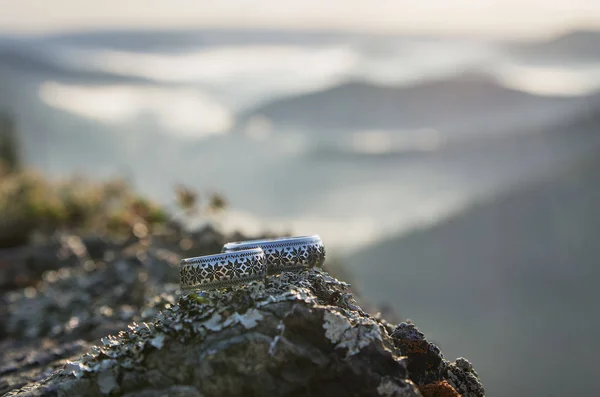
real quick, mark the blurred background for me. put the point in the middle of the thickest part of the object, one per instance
(447, 153)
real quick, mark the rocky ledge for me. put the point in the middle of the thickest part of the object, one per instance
(293, 335)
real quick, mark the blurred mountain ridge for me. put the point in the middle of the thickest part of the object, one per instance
(305, 183)
(182, 39)
(521, 266)
(25, 57)
(572, 46)
(468, 98)
(142, 148)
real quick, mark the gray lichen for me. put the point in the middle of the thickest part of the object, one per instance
(465, 380)
(223, 343)
(351, 334)
(294, 334)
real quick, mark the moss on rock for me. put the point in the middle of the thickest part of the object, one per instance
(294, 334)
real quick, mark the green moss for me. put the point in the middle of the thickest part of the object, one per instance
(197, 298)
(30, 202)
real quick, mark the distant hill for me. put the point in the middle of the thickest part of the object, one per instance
(520, 267)
(468, 99)
(31, 57)
(580, 45)
(182, 39)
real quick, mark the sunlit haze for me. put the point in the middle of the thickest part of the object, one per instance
(523, 18)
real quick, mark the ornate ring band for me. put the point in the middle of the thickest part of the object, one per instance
(286, 254)
(222, 270)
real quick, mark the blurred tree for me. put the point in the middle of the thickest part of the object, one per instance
(9, 147)
(217, 202)
(186, 197)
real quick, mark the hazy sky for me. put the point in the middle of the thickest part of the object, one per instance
(489, 17)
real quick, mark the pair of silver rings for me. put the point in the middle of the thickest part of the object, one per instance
(244, 261)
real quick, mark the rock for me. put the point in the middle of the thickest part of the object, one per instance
(98, 246)
(461, 375)
(294, 334)
(429, 369)
(24, 363)
(425, 361)
(173, 391)
(23, 266)
(93, 300)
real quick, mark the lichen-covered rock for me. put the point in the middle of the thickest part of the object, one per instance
(462, 376)
(24, 266)
(428, 368)
(294, 334)
(76, 290)
(298, 334)
(86, 288)
(23, 363)
(92, 300)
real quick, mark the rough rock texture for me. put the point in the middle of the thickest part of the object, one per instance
(429, 369)
(295, 334)
(24, 265)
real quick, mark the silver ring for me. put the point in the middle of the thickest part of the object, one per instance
(222, 270)
(286, 254)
